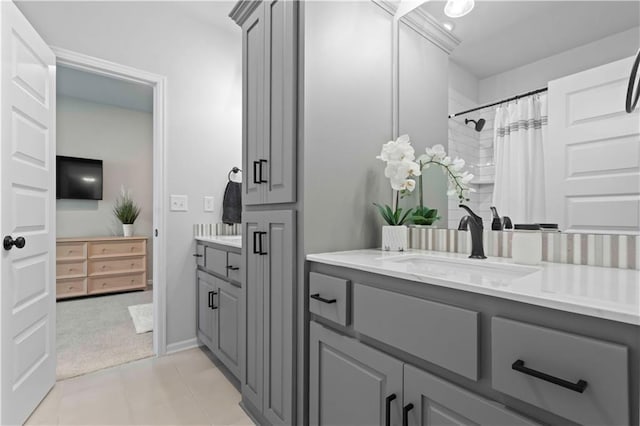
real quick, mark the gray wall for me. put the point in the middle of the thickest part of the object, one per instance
(423, 110)
(198, 48)
(347, 118)
(123, 140)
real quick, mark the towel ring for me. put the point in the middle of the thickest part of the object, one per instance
(234, 171)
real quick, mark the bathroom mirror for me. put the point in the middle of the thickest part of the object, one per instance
(565, 151)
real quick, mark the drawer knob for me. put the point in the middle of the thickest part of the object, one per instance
(104, 284)
(322, 299)
(579, 386)
(133, 264)
(70, 287)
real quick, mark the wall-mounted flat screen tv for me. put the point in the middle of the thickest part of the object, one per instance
(78, 178)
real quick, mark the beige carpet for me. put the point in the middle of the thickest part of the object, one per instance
(97, 332)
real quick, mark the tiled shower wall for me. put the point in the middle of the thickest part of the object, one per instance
(614, 251)
(213, 229)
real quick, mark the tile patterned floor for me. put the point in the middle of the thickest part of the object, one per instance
(185, 388)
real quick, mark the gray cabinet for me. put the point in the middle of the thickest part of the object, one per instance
(269, 104)
(351, 383)
(267, 376)
(431, 401)
(218, 309)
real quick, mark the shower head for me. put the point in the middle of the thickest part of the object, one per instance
(479, 124)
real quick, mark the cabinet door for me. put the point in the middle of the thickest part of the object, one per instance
(278, 247)
(206, 314)
(438, 402)
(253, 106)
(228, 321)
(280, 102)
(350, 383)
(252, 312)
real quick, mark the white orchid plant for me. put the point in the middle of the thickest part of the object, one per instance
(402, 171)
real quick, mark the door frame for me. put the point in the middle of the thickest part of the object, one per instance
(158, 83)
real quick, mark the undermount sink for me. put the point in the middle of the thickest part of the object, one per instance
(477, 271)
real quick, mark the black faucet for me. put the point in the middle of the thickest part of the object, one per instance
(498, 223)
(474, 223)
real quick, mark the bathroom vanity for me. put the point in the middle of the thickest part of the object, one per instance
(218, 295)
(428, 337)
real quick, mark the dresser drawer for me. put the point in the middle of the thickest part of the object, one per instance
(114, 266)
(107, 284)
(441, 334)
(234, 262)
(569, 357)
(329, 297)
(72, 269)
(215, 260)
(71, 288)
(104, 249)
(71, 251)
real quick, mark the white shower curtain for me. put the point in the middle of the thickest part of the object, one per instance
(519, 130)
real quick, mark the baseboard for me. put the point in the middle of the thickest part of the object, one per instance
(182, 345)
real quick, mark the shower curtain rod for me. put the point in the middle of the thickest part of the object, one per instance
(533, 92)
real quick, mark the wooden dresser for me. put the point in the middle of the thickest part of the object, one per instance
(98, 265)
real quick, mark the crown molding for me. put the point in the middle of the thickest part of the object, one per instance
(242, 10)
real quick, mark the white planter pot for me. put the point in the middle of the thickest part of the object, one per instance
(394, 238)
(127, 230)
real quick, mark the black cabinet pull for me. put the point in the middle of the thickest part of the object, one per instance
(255, 243)
(322, 299)
(211, 294)
(387, 412)
(198, 255)
(262, 179)
(579, 387)
(256, 164)
(405, 414)
(261, 252)
(233, 268)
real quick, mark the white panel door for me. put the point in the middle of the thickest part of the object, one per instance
(593, 152)
(27, 203)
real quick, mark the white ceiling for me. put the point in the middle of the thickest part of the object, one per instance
(103, 90)
(501, 35)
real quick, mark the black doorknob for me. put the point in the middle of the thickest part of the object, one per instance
(9, 242)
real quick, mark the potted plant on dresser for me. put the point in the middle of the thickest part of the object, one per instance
(127, 212)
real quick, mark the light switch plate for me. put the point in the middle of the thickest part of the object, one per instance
(179, 203)
(208, 204)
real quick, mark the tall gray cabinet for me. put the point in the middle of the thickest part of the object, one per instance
(269, 32)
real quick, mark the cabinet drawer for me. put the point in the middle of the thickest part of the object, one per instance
(602, 365)
(105, 249)
(215, 260)
(73, 269)
(112, 266)
(234, 262)
(71, 251)
(335, 292)
(442, 334)
(122, 282)
(71, 288)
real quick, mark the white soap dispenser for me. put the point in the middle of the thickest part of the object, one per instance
(526, 245)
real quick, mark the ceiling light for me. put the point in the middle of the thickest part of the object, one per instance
(458, 8)
(448, 26)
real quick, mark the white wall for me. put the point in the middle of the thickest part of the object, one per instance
(123, 140)
(537, 74)
(198, 48)
(463, 89)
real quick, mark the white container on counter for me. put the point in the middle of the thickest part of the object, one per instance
(526, 245)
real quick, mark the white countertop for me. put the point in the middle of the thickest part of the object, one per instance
(607, 293)
(225, 240)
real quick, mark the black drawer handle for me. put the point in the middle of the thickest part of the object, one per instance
(262, 179)
(579, 387)
(198, 255)
(322, 299)
(387, 412)
(255, 172)
(405, 414)
(233, 268)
